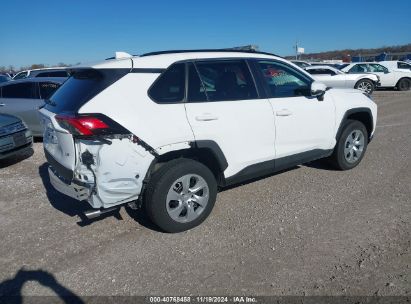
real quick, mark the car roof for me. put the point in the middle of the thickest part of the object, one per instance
(36, 79)
(45, 69)
(367, 62)
(312, 67)
(207, 51)
(162, 60)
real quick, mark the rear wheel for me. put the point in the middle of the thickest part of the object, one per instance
(351, 146)
(180, 195)
(404, 84)
(365, 85)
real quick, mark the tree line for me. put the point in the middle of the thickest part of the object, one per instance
(341, 54)
(13, 69)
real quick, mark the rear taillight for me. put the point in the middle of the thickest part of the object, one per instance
(90, 124)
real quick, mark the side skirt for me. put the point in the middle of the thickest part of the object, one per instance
(275, 165)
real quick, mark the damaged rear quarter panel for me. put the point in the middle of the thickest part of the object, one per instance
(119, 170)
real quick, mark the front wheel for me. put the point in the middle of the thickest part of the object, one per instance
(180, 195)
(365, 85)
(351, 146)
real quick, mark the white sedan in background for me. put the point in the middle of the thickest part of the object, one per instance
(390, 78)
(334, 78)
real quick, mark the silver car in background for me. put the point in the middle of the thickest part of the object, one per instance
(24, 97)
(335, 78)
(14, 136)
(43, 72)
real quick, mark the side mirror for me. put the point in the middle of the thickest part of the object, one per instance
(318, 90)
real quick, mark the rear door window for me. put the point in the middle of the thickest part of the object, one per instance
(359, 68)
(19, 90)
(170, 86)
(47, 89)
(226, 80)
(196, 90)
(377, 68)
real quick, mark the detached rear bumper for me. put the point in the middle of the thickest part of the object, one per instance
(72, 190)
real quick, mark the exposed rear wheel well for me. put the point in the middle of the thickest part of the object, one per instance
(202, 155)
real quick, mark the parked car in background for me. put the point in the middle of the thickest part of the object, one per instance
(45, 72)
(301, 63)
(322, 64)
(6, 74)
(14, 136)
(340, 65)
(396, 65)
(24, 97)
(4, 78)
(400, 79)
(188, 122)
(335, 78)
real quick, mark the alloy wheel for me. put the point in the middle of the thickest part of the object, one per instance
(354, 146)
(365, 86)
(187, 198)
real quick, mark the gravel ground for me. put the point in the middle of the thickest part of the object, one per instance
(307, 231)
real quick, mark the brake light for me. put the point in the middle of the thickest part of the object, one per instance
(83, 125)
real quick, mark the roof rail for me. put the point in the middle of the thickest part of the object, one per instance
(227, 50)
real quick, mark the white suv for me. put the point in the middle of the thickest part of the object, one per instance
(389, 78)
(168, 129)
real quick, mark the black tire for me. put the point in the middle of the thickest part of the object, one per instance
(338, 159)
(404, 84)
(365, 83)
(160, 183)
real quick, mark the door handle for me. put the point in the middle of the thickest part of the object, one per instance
(206, 117)
(2, 104)
(284, 112)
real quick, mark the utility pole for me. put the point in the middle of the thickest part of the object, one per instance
(296, 50)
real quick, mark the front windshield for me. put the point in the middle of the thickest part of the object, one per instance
(20, 75)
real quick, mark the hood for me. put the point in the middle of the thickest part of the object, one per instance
(6, 120)
(345, 90)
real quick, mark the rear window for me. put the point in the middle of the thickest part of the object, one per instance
(19, 90)
(81, 87)
(403, 65)
(53, 74)
(320, 72)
